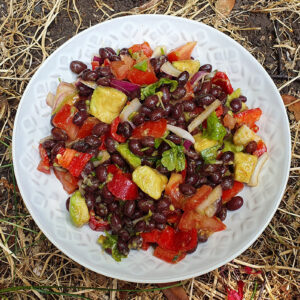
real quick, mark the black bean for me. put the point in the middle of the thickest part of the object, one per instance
(138, 119)
(168, 109)
(210, 168)
(110, 145)
(191, 153)
(125, 129)
(115, 58)
(145, 111)
(207, 99)
(106, 194)
(205, 87)
(124, 235)
(88, 168)
(135, 242)
(115, 222)
(148, 141)
(162, 148)
(56, 149)
(223, 98)
(113, 206)
(104, 81)
(77, 66)
(236, 105)
(150, 225)
(251, 147)
(145, 205)
(177, 110)
(68, 203)
(227, 183)
(101, 210)
(81, 105)
(93, 141)
(189, 106)
(159, 218)
(192, 179)
(235, 203)
(90, 76)
(201, 180)
(151, 101)
(206, 68)
(48, 144)
(101, 173)
(166, 94)
(104, 71)
(103, 53)
(187, 189)
(216, 91)
(183, 78)
(243, 98)
(174, 138)
(171, 121)
(222, 214)
(178, 93)
(202, 238)
(118, 160)
(90, 200)
(140, 226)
(59, 134)
(111, 51)
(80, 146)
(137, 214)
(223, 169)
(84, 90)
(163, 170)
(135, 147)
(156, 114)
(100, 129)
(129, 208)
(162, 204)
(127, 222)
(124, 51)
(80, 117)
(147, 162)
(160, 226)
(148, 152)
(215, 177)
(227, 156)
(122, 247)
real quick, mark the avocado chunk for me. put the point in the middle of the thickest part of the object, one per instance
(192, 66)
(107, 103)
(244, 165)
(78, 209)
(131, 158)
(150, 181)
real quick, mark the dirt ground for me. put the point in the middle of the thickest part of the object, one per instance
(30, 30)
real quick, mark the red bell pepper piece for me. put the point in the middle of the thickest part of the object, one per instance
(166, 239)
(228, 194)
(44, 165)
(149, 238)
(78, 163)
(222, 80)
(169, 256)
(113, 169)
(261, 148)
(102, 146)
(186, 240)
(96, 223)
(219, 111)
(106, 62)
(182, 53)
(248, 117)
(63, 119)
(254, 128)
(150, 128)
(145, 47)
(113, 131)
(201, 194)
(142, 77)
(87, 127)
(122, 187)
(69, 182)
(95, 64)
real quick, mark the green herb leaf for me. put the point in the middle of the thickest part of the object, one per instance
(209, 155)
(151, 88)
(215, 130)
(157, 142)
(162, 51)
(174, 158)
(110, 241)
(142, 66)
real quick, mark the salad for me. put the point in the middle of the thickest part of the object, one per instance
(153, 148)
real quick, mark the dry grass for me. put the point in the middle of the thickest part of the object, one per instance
(27, 258)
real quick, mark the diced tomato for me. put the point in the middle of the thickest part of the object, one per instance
(142, 77)
(174, 218)
(78, 163)
(169, 256)
(219, 111)
(96, 223)
(172, 190)
(87, 127)
(186, 240)
(261, 148)
(222, 80)
(166, 239)
(228, 194)
(113, 131)
(255, 128)
(95, 64)
(150, 128)
(119, 69)
(69, 182)
(191, 219)
(189, 95)
(145, 47)
(182, 53)
(122, 187)
(201, 194)
(151, 237)
(102, 146)
(65, 157)
(63, 119)
(44, 165)
(113, 169)
(106, 62)
(248, 117)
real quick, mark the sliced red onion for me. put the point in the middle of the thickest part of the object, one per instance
(63, 90)
(97, 58)
(169, 69)
(133, 106)
(187, 144)
(197, 77)
(124, 86)
(181, 132)
(50, 99)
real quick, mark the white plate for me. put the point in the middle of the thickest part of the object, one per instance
(45, 198)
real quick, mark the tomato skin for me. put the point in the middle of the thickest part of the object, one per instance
(69, 182)
(44, 165)
(150, 128)
(219, 111)
(172, 190)
(119, 69)
(222, 80)
(140, 77)
(63, 120)
(186, 240)
(261, 148)
(201, 194)
(169, 256)
(87, 127)
(113, 131)
(248, 117)
(191, 219)
(228, 194)
(145, 47)
(78, 163)
(182, 53)
(95, 64)
(96, 223)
